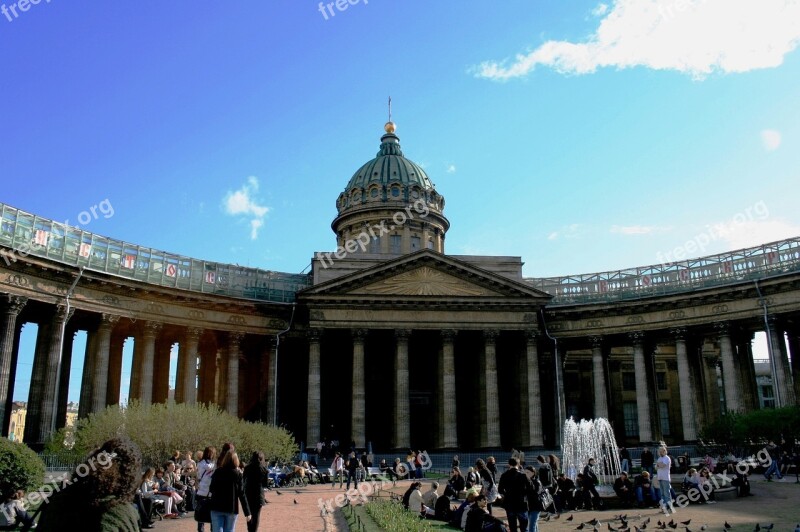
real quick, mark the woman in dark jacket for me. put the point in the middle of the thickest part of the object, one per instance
(256, 478)
(226, 492)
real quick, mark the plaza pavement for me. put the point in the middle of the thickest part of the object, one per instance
(774, 502)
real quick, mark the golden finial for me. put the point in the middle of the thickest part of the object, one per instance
(390, 126)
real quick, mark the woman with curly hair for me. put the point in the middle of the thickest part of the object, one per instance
(99, 496)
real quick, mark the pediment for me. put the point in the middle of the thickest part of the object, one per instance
(423, 281)
(424, 274)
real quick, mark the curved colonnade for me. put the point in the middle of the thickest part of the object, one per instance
(660, 350)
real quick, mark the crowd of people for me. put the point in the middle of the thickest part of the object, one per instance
(111, 491)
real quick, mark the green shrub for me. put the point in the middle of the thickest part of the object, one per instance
(161, 429)
(753, 429)
(20, 467)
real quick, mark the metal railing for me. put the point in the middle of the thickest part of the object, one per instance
(27, 234)
(760, 262)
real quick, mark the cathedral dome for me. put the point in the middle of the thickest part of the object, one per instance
(385, 185)
(388, 178)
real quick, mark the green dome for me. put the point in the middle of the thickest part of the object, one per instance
(389, 167)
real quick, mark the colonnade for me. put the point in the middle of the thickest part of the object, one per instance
(210, 364)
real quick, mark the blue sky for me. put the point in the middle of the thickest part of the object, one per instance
(581, 136)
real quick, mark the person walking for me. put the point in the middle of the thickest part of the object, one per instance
(663, 465)
(256, 478)
(227, 492)
(513, 486)
(337, 469)
(205, 467)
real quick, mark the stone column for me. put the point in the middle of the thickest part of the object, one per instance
(114, 369)
(447, 384)
(402, 416)
(232, 402)
(747, 377)
(101, 361)
(314, 390)
(687, 391)
(136, 368)
(188, 358)
(492, 429)
(534, 392)
(42, 426)
(779, 360)
(87, 374)
(794, 349)
(148, 339)
(272, 383)
(359, 406)
(730, 374)
(643, 402)
(599, 378)
(13, 305)
(161, 369)
(63, 385)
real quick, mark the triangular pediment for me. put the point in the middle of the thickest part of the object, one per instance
(424, 274)
(424, 281)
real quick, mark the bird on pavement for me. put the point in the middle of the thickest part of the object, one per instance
(570, 518)
(295, 501)
(580, 527)
(278, 492)
(686, 523)
(727, 526)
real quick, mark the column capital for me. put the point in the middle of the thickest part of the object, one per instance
(596, 341)
(151, 328)
(531, 335)
(637, 337)
(314, 334)
(14, 304)
(108, 320)
(61, 313)
(193, 333)
(678, 332)
(774, 320)
(490, 335)
(723, 328)
(235, 338)
(448, 335)
(402, 334)
(359, 334)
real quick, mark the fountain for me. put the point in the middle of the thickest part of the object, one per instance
(593, 438)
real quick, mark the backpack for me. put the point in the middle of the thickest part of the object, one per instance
(546, 475)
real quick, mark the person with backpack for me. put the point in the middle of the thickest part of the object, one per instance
(545, 472)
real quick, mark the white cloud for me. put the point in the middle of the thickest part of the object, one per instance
(633, 229)
(756, 232)
(771, 139)
(600, 10)
(697, 37)
(568, 231)
(242, 202)
(451, 169)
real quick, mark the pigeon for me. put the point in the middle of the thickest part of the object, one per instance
(727, 526)
(757, 528)
(594, 522)
(646, 521)
(686, 523)
(570, 518)
(295, 501)
(703, 527)
(769, 526)
(297, 491)
(672, 524)
(278, 492)
(580, 527)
